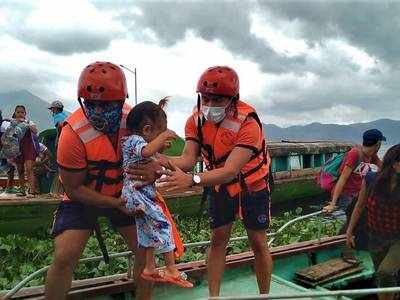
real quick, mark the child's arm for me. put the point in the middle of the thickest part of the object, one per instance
(158, 143)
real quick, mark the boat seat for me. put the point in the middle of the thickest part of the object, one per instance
(329, 270)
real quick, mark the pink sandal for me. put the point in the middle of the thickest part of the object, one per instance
(180, 280)
(158, 276)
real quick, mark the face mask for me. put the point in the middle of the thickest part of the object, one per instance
(106, 121)
(214, 114)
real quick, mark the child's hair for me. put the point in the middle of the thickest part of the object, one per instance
(382, 186)
(15, 109)
(145, 113)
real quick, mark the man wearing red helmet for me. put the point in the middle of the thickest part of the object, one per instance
(228, 134)
(90, 165)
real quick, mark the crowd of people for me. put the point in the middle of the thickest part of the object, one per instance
(109, 158)
(21, 151)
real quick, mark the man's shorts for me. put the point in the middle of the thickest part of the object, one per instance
(255, 209)
(75, 215)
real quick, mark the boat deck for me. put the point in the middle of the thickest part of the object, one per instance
(10, 199)
(236, 282)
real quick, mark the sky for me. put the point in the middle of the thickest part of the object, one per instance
(298, 61)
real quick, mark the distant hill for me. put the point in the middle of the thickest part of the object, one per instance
(350, 133)
(36, 107)
(38, 112)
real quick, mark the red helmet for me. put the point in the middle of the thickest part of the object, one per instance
(219, 80)
(102, 81)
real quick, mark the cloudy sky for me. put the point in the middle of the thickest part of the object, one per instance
(298, 61)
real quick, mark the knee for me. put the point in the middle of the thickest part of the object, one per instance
(65, 261)
(258, 243)
(219, 240)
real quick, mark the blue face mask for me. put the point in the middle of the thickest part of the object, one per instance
(108, 120)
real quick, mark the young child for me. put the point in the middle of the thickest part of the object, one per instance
(148, 124)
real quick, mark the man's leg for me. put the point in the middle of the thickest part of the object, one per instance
(143, 287)
(256, 218)
(69, 246)
(216, 258)
(262, 259)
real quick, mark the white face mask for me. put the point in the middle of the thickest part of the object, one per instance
(214, 114)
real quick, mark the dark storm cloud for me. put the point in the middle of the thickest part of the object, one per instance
(64, 42)
(60, 41)
(370, 25)
(228, 22)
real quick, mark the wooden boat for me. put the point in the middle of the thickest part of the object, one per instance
(305, 270)
(294, 166)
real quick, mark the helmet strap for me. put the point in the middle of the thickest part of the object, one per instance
(82, 107)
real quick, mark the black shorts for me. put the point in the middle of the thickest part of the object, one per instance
(255, 209)
(75, 215)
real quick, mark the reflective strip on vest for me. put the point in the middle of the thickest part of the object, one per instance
(89, 135)
(231, 125)
(79, 124)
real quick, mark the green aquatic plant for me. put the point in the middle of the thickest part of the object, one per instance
(21, 255)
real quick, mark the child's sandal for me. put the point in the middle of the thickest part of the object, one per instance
(158, 276)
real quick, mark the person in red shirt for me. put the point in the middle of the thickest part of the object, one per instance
(354, 165)
(227, 133)
(380, 193)
(349, 183)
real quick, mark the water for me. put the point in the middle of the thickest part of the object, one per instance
(383, 150)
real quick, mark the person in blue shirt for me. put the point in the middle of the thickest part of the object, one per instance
(59, 116)
(57, 110)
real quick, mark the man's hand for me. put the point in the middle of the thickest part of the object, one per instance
(116, 202)
(163, 159)
(147, 172)
(329, 208)
(175, 179)
(350, 240)
(121, 205)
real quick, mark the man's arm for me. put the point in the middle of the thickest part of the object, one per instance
(73, 182)
(238, 158)
(356, 214)
(344, 176)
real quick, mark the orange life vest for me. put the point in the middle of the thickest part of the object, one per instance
(218, 140)
(104, 164)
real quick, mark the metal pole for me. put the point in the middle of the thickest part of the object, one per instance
(135, 87)
(135, 79)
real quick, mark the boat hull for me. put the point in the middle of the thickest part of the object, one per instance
(238, 279)
(22, 216)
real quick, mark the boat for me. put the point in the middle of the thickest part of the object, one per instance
(305, 270)
(294, 167)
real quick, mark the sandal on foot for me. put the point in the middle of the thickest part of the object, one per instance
(180, 280)
(349, 256)
(157, 276)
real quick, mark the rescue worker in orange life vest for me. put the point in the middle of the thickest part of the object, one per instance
(228, 134)
(90, 163)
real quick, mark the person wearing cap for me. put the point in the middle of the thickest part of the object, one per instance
(349, 182)
(59, 116)
(57, 111)
(354, 166)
